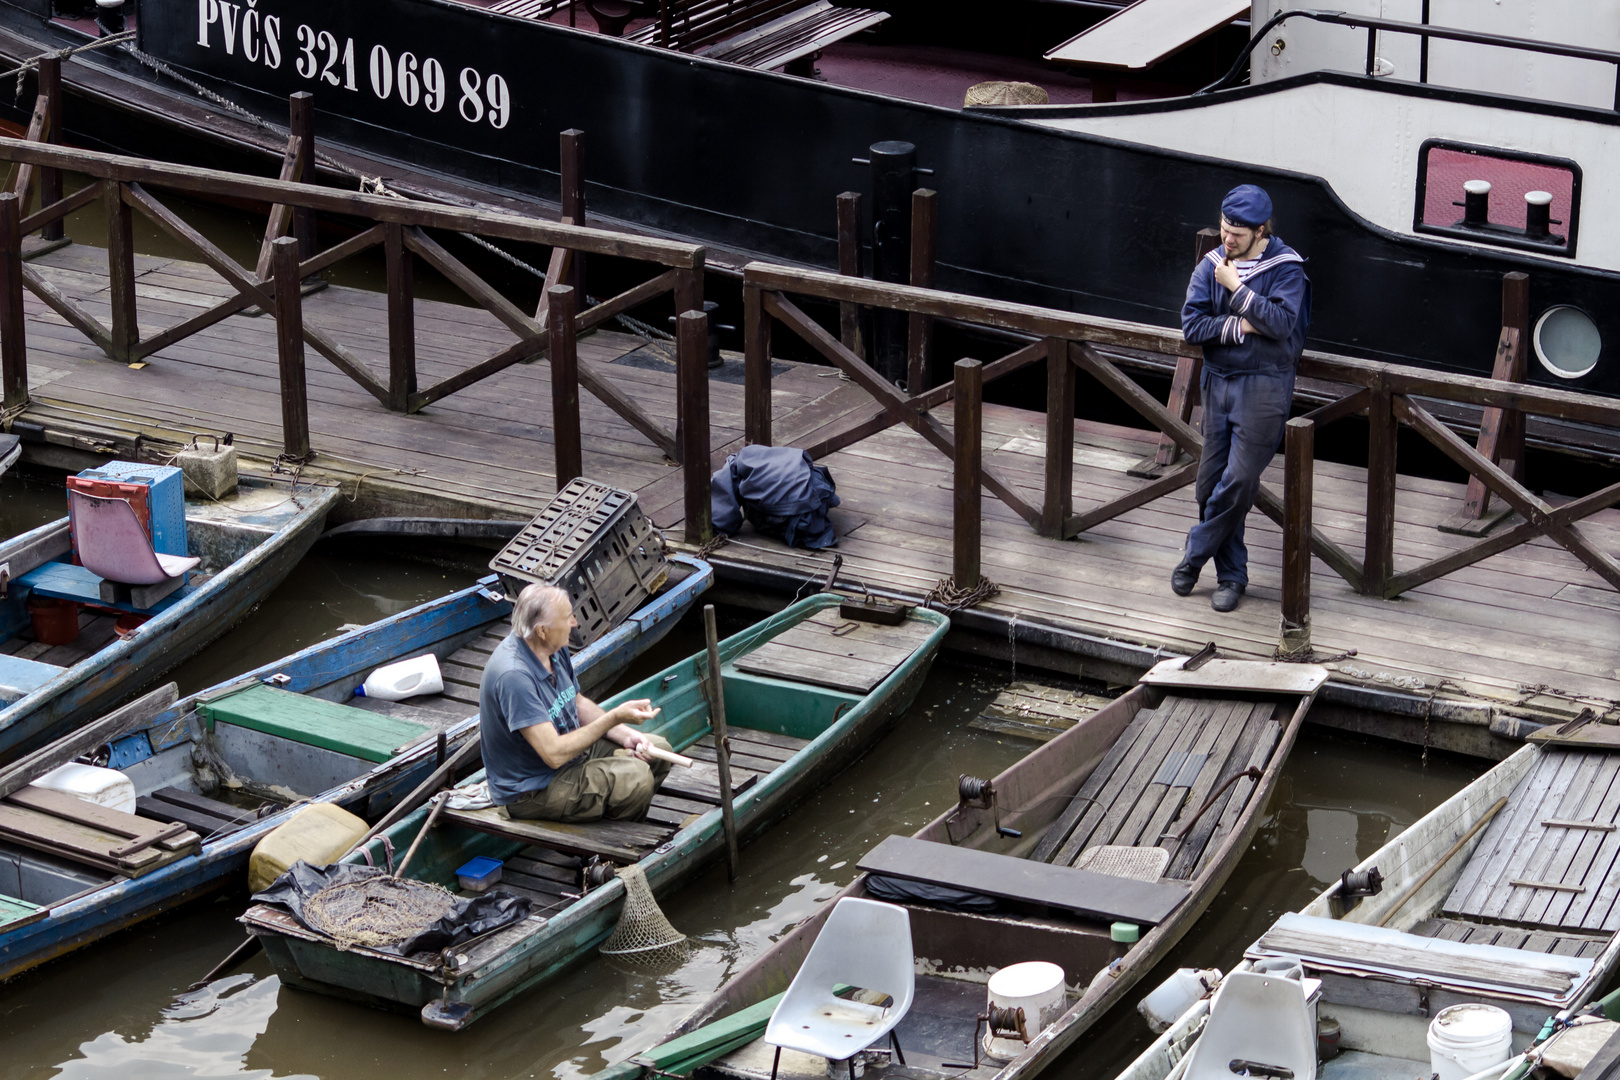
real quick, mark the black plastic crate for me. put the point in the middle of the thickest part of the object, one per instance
(594, 542)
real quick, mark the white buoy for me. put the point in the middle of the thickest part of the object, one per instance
(1466, 1039)
(1037, 988)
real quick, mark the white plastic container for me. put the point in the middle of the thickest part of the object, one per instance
(1173, 997)
(104, 787)
(407, 678)
(1037, 988)
(1466, 1039)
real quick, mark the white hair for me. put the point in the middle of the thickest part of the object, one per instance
(537, 603)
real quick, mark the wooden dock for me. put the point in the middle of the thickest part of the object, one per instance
(1532, 617)
(1035, 522)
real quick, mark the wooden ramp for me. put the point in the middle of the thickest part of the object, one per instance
(1141, 34)
(1547, 859)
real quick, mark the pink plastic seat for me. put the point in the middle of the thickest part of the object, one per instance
(110, 543)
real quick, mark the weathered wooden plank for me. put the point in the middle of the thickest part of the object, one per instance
(1232, 804)
(1485, 868)
(1576, 859)
(1544, 845)
(1143, 725)
(1217, 741)
(621, 841)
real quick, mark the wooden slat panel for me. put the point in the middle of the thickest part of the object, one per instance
(1577, 850)
(702, 783)
(1190, 734)
(856, 660)
(1538, 844)
(621, 841)
(1526, 806)
(1266, 732)
(1143, 725)
(1219, 738)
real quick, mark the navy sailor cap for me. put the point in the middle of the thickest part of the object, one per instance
(1246, 205)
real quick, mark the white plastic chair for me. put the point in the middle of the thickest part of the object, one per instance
(1258, 1020)
(865, 944)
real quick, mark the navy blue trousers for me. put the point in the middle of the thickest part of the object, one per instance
(1243, 425)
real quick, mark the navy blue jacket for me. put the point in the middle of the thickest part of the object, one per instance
(782, 492)
(1274, 295)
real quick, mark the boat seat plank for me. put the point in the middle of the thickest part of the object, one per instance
(855, 658)
(117, 822)
(1100, 896)
(701, 782)
(1141, 34)
(434, 711)
(1059, 831)
(15, 913)
(571, 863)
(80, 843)
(621, 841)
(1343, 945)
(541, 871)
(64, 581)
(19, 676)
(314, 722)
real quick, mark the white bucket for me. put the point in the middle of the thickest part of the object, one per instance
(104, 787)
(408, 678)
(1172, 998)
(1037, 988)
(1466, 1039)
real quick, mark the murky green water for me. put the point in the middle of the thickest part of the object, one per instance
(120, 1008)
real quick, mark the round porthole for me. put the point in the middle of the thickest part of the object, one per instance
(1567, 342)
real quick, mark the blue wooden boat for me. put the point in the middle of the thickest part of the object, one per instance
(248, 543)
(806, 692)
(230, 783)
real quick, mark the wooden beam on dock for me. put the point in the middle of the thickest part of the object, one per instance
(966, 499)
(290, 351)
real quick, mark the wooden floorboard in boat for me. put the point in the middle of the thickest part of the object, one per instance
(1535, 865)
(1511, 938)
(1521, 618)
(829, 650)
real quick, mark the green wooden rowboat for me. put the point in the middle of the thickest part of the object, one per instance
(797, 713)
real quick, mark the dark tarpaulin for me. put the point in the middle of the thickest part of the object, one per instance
(901, 891)
(782, 493)
(466, 919)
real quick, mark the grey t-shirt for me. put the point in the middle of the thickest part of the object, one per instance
(517, 693)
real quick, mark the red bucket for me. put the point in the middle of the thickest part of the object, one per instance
(56, 622)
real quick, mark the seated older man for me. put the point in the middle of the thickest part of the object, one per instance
(551, 753)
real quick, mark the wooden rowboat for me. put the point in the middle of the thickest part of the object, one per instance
(806, 692)
(1502, 895)
(1172, 777)
(223, 767)
(248, 542)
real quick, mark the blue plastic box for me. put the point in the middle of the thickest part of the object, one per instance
(166, 499)
(479, 873)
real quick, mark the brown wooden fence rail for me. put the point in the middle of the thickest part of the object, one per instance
(125, 186)
(1388, 395)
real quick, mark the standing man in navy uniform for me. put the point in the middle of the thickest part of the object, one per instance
(1248, 305)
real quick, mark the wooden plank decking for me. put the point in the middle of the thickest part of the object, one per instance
(1533, 616)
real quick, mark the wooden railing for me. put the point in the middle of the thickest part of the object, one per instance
(124, 186)
(1389, 395)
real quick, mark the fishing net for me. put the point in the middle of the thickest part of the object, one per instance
(376, 911)
(643, 930)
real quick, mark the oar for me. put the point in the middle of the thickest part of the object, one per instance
(722, 752)
(427, 827)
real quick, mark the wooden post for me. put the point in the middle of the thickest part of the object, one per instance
(50, 180)
(290, 347)
(301, 121)
(1298, 484)
(126, 332)
(13, 335)
(920, 328)
(572, 145)
(1059, 438)
(965, 500)
(722, 744)
(1183, 387)
(1501, 431)
(688, 297)
(692, 358)
(401, 317)
(849, 264)
(1382, 432)
(756, 368)
(564, 385)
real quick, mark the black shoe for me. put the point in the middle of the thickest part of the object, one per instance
(1183, 578)
(1226, 596)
